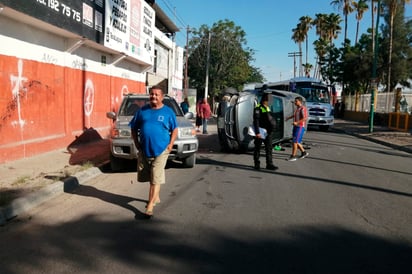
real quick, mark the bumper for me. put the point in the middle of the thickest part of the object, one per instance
(320, 121)
(125, 149)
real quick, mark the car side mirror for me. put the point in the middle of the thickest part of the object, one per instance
(189, 115)
(111, 115)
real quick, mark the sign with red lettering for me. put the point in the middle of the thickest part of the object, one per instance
(129, 28)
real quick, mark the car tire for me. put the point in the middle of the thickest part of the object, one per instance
(190, 161)
(116, 164)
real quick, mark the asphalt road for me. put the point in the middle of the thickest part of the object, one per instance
(344, 209)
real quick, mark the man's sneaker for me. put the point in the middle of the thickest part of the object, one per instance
(292, 158)
(256, 166)
(271, 167)
(303, 155)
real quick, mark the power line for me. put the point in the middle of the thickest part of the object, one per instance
(174, 13)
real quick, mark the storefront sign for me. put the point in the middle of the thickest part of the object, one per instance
(129, 28)
(83, 17)
(125, 26)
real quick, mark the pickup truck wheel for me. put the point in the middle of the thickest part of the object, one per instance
(116, 164)
(190, 161)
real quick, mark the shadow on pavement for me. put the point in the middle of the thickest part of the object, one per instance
(150, 247)
(119, 200)
(89, 147)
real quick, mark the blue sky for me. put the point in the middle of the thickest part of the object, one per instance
(268, 25)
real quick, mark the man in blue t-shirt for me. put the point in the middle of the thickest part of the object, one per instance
(157, 126)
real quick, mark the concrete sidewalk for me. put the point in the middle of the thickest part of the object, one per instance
(28, 182)
(380, 134)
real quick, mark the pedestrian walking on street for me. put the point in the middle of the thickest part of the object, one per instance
(300, 117)
(157, 127)
(263, 119)
(205, 114)
(198, 117)
(185, 105)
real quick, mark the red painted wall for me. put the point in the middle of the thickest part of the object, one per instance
(43, 107)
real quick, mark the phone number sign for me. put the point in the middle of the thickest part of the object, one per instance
(83, 17)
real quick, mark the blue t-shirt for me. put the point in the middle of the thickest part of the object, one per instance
(155, 127)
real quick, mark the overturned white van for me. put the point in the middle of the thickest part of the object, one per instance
(235, 115)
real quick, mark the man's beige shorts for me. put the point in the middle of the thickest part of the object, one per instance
(152, 169)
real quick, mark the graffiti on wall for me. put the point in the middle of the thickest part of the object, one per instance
(79, 64)
(123, 91)
(117, 98)
(17, 84)
(50, 59)
(88, 100)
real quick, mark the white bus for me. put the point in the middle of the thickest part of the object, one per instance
(318, 98)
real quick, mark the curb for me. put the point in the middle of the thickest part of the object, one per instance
(391, 145)
(23, 204)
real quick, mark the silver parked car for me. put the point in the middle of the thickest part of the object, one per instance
(235, 115)
(121, 141)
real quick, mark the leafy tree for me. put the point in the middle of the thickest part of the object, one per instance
(331, 65)
(357, 65)
(255, 76)
(352, 65)
(222, 51)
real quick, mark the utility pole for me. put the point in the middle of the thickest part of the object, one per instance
(207, 66)
(186, 62)
(294, 55)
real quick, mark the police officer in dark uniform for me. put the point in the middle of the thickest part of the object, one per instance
(263, 119)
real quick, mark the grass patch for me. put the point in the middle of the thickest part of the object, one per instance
(87, 165)
(20, 180)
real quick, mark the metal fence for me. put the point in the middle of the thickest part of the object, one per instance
(384, 102)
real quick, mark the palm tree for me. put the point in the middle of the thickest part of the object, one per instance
(392, 8)
(328, 28)
(360, 7)
(319, 22)
(332, 27)
(298, 38)
(305, 25)
(346, 7)
(321, 49)
(307, 68)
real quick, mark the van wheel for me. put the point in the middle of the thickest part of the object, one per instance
(190, 161)
(225, 143)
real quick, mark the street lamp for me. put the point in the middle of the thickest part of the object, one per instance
(374, 82)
